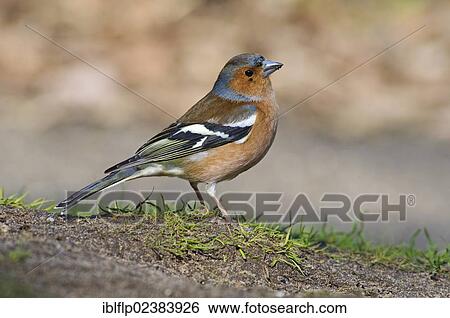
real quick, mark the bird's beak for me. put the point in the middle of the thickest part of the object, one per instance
(270, 66)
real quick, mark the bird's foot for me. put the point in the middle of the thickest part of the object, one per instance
(219, 220)
(225, 217)
(202, 209)
(216, 215)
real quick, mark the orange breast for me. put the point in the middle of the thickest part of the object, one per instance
(226, 162)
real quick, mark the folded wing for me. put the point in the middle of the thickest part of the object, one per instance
(183, 139)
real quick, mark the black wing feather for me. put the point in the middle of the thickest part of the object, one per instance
(174, 143)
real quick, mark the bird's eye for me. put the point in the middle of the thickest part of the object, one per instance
(249, 73)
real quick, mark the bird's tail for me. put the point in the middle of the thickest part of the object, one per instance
(111, 179)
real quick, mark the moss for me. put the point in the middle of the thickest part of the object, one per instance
(18, 255)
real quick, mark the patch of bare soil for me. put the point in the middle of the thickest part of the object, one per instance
(119, 257)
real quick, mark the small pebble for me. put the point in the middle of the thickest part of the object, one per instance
(4, 228)
(279, 293)
(167, 292)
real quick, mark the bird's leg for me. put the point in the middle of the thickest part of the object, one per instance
(198, 193)
(211, 190)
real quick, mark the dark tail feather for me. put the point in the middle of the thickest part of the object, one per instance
(108, 181)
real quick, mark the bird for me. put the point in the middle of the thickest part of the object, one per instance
(225, 133)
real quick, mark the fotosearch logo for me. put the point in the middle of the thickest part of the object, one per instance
(266, 207)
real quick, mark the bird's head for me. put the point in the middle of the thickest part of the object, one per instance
(245, 77)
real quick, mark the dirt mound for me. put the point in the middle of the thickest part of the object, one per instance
(183, 256)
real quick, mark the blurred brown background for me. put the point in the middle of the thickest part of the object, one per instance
(384, 128)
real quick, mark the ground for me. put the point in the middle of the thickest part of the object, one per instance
(186, 255)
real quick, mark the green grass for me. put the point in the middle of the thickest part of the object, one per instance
(19, 201)
(407, 256)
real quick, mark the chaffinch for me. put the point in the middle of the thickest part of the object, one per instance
(225, 133)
